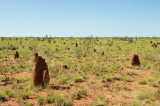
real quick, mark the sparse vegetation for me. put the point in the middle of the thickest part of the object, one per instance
(40, 100)
(116, 77)
(90, 79)
(127, 79)
(57, 99)
(101, 101)
(29, 104)
(130, 73)
(142, 81)
(145, 94)
(9, 93)
(2, 97)
(25, 95)
(80, 93)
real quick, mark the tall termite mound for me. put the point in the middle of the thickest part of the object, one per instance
(16, 55)
(40, 71)
(135, 60)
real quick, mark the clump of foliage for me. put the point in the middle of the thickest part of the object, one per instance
(100, 101)
(80, 93)
(57, 99)
(40, 100)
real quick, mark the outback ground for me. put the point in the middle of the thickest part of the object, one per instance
(98, 73)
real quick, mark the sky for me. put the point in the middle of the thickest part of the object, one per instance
(80, 18)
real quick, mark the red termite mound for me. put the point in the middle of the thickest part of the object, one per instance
(102, 53)
(118, 48)
(154, 45)
(76, 44)
(94, 50)
(158, 43)
(64, 66)
(135, 60)
(14, 48)
(16, 55)
(40, 72)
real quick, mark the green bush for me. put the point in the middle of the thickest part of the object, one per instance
(126, 79)
(106, 78)
(134, 103)
(142, 81)
(79, 94)
(2, 97)
(9, 93)
(25, 95)
(145, 94)
(101, 101)
(130, 73)
(29, 104)
(40, 100)
(57, 99)
(116, 77)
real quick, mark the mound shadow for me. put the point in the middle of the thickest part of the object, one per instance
(58, 87)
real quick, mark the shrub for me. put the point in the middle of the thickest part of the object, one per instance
(29, 104)
(78, 78)
(63, 80)
(20, 86)
(8, 92)
(142, 81)
(145, 94)
(25, 95)
(126, 86)
(40, 100)
(116, 77)
(57, 99)
(153, 82)
(134, 103)
(101, 101)
(22, 66)
(13, 67)
(79, 94)
(126, 79)
(92, 81)
(157, 94)
(2, 97)
(106, 78)
(130, 73)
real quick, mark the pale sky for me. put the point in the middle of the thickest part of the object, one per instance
(103, 18)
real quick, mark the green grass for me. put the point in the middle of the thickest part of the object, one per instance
(127, 79)
(20, 86)
(9, 93)
(40, 100)
(80, 93)
(69, 79)
(157, 94)
(63, 80)
(92, 81)
(2, 97)
(24, 95)
(134, 103)
(57, 99)
(130, 72)
(85, 67)
(145, 94)
(29, 104)
(142, 81)
(100, 101)
(107, 78)
(78, 78)
(126, 86)
(116, 77)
